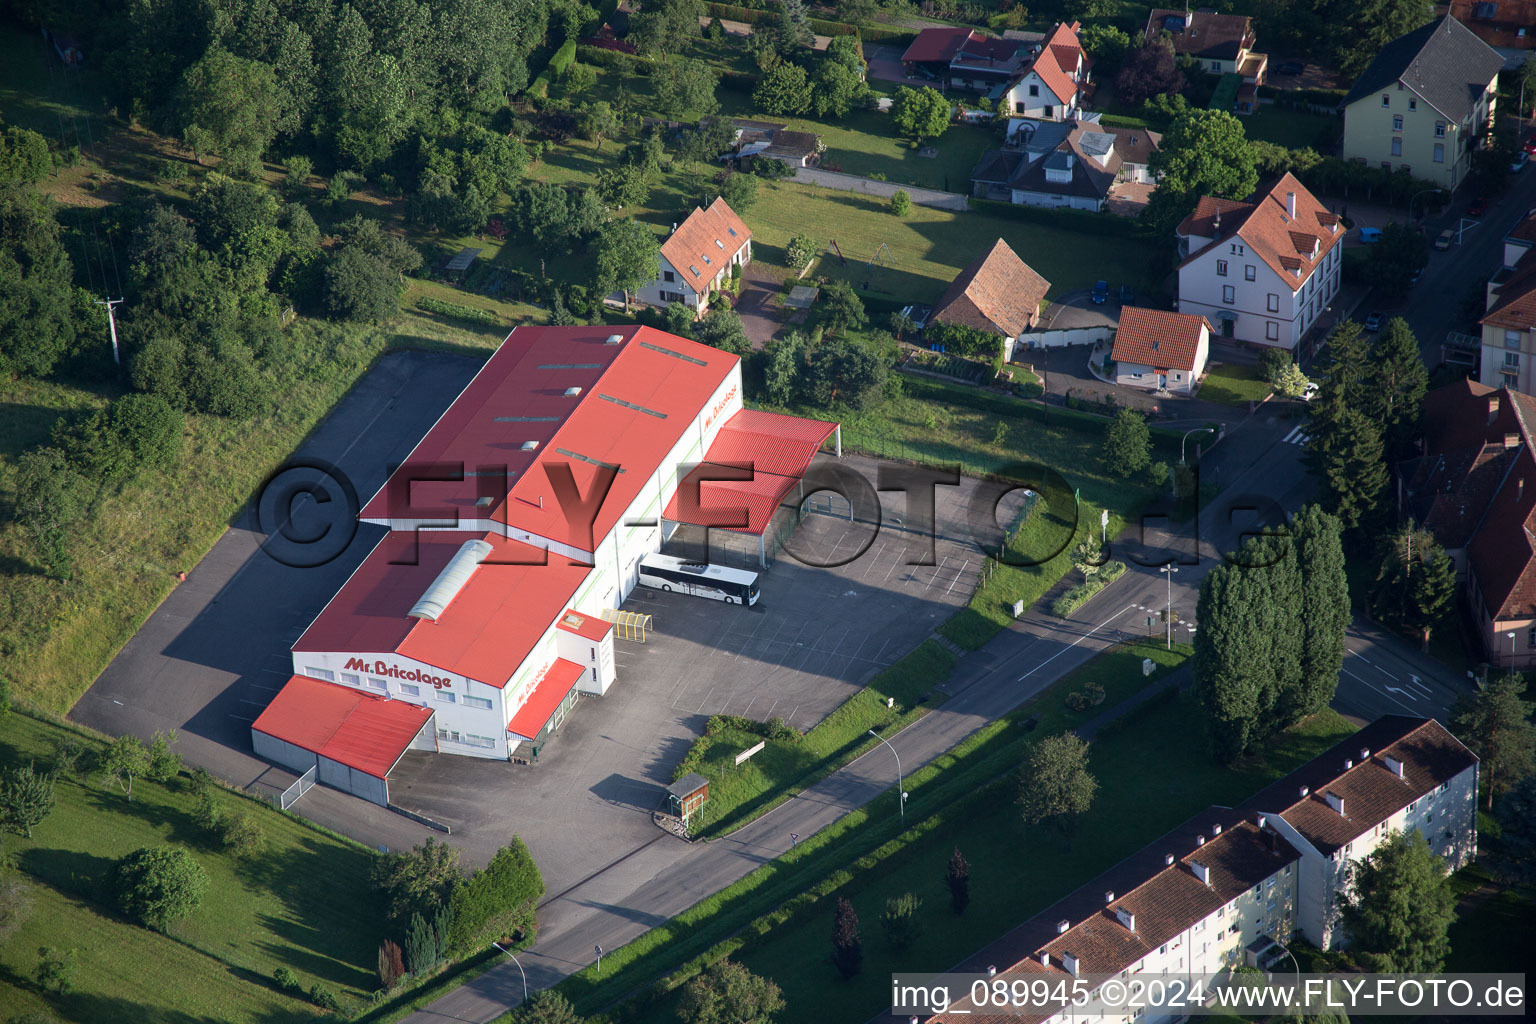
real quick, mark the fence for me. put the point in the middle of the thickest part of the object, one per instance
(303, 784)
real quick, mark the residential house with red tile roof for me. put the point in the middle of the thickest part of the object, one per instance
(1508, 356)
(1264, 270)
(1502, 24)
(1474, 488)
(1051, 86)
(1160, 351)
(998, 293)
(697, 257)
(1232, 886)
(964, 58)
(1220, 44)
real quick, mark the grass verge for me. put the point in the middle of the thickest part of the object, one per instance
(1080, 595)
(303, 902)
(1234, 384)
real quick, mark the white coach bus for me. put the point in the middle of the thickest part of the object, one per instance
(733, 586)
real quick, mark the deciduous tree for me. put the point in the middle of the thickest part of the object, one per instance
(1055, 783)
(841, 307)
(900, 921)
(235, 101)
(920, 113)
(1148, 70)
(26, 798)
(728, 993)
(159, 885)
(1127, 443)
(1399, 906)
(686, 88)
(783, 89)
(125, 760)
(546, 1006)
(840, 371)
(1316, 543)
(1203, 153)
(628, 255)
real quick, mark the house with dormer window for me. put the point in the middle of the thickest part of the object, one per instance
(1050, 88)
(697, 257)
(1262, 270)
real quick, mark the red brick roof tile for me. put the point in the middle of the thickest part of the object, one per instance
(1157, 338)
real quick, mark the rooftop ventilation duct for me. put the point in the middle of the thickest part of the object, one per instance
(451, 580)
(613, 339)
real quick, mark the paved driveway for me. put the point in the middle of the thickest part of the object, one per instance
(885, 63)
(871, 187)
(760, 316)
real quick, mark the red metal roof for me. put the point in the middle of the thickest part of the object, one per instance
(556, 685)
(778, 447)
(357, 729)
(589, 626)
(637, 399)
(938, 43)
(484, 633)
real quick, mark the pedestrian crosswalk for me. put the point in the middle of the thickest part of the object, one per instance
(1297, 436)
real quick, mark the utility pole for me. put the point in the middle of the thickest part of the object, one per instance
(112, 327)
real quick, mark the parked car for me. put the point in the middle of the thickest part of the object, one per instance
(1446, 237)
(1370, 236)
(1290, 67)
(1127, 295)
(1530, 144)
(1373, 322)
(1477, 207)
(1100, 292)
(1520, 161)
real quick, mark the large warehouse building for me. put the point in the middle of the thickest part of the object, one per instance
(515, 525)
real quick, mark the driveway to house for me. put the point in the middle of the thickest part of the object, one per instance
(761, 318)
(869, 186)
(885, 63)
(741, 28)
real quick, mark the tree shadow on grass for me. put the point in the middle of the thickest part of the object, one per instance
(83, 874)
(305, 877)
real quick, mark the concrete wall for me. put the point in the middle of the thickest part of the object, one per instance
(1062, 338)
(1369, 131)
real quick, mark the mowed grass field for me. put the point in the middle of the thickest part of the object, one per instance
(1017, 871)
(303, 902)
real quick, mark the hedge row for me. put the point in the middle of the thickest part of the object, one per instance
(1078, 596)
(1086, 222)
(1122, 121)
(458, 312)
(1293, 97)
(558, 63)
(613, 60)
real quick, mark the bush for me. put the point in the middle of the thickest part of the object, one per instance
(901, 202)
(324, 998)
(1090, 696)
(170, 171)
(1272, 362)
(241, 836)
(899, 922)
(296, 179)
(1078, 596)
(1157, 474)
(496, 900)
(287, 980)
(800, 251)
(159, 885)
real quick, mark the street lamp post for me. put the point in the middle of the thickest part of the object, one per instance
(901, 792)
(519, 968)
(1169, 570)
(1192, 430)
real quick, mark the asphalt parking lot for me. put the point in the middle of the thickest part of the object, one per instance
(813, 638)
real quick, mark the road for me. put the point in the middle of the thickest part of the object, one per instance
(1433, 307)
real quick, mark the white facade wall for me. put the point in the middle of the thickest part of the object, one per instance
(472, 715)
(664, 292)
(1272, 309)
(1042, 104)
(1053, 199)
(1447, 817)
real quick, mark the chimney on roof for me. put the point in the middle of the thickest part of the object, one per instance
(1199, 840)
(1290, 204)
(1126, 918)
(1167, 860)
(1109, 896)
(1201, 871)
(1216, 829)
(1493, 408)
(1393, 765)
(1062, 926)
(1069, 962)
(1045, 958)
(1511, 440)
(1365, 754)
(1261, 821)
(1304, 792)
(1334, 800)
(1349, 763)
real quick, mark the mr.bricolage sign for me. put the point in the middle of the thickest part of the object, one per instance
(406, 675)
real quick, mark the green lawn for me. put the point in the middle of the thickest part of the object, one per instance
(1234, 384)
(304, 902)
(1016, 871)
(1294, 129)
(783, 768)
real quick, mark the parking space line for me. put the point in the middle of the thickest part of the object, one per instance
(874, 559)
(894, 563)
(700, 708)
(957, 577)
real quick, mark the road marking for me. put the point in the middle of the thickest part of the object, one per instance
(1296, 436)
(1074, 643)
(1405, 693)
(963, 566)
(1373, 689)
